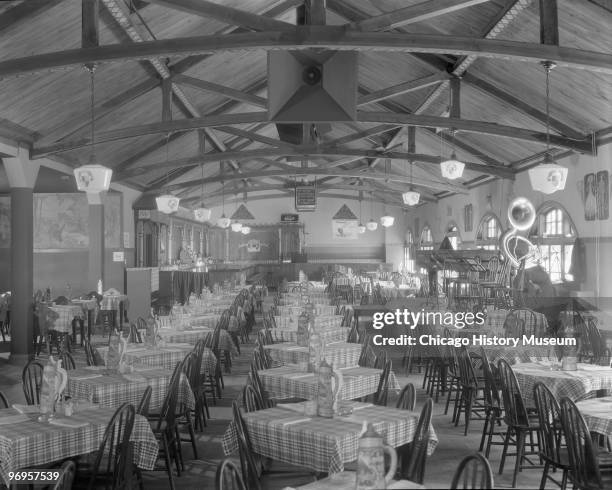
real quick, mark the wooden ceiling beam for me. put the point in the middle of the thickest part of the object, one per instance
(24, 12)
(228, 92)
(325, 37)
(181, 125)
(390, 177)
(228, 15)
(549, 22)
(90, 10)
(403, 88)
(253, 136)
(308, 153)
(415, 13)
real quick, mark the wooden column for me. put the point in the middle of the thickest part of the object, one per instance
(22, 174)
(96, 241)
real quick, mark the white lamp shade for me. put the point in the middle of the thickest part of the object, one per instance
(548, 178)
(361, 228)
(236, 226)
(387, 221)
(245, 230)
(411, 198)
(372, 225)
(223, 222)
(452, 169)
(93, 178)
(202, 214)
(167, 203)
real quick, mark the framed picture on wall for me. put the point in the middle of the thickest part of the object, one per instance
(603, 195)
(468, 217)
(590, 197)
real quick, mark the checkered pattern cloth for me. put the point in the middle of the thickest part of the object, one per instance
(597, 413)
(111, 390)
(347, 480)
(322, 310)
(86, 304)
(321, 322)
(290, 382)
(322, 444)
(192, 336)
(327, 335)
(164, 357)
(516, 355)
(340, 354)
(67, 313)
(31, 443)
(208, 321)
(112, 302)
(573, 384)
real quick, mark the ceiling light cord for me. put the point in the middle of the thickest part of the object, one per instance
(548, 66)
(92, 84)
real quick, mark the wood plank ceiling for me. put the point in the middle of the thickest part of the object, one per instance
(181, 90)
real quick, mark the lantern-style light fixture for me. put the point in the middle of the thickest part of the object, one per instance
(387, 220)
(550, 176)
(411, 198)
(245, 230)
(372, 225)
(452, 168)
(92, 178)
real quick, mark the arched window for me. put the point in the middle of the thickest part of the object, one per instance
(488, 233)
(453, 235)
(409, 252)
(554, 232)
(426, 241)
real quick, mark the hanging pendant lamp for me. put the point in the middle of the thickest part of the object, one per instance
(411, 197)
(548, 177)
(93, 178)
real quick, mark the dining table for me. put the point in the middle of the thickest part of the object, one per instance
(339, 354)
(26, 442)
(586, 379)
(191, 335)
(290, 382)
(321, 444)
(346, 480)
(328, 335)
(597, 413)
(320, 321)
(294, 311)
(110, 388)
(164, 356)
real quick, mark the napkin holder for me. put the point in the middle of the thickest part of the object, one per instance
(569, 364)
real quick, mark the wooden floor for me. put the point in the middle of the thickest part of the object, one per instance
(199, 474)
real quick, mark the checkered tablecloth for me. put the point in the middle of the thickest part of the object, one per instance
(112, 301)
(86, 304)
(322, 444)
(290, 382)
(192, 336)
(573, 384)
(338, 334)
(31, 443)
(321, 322)
(340, 354)
(346, 480)
(516, 355)
(208, 321)
(164, 357)
(67, 313)
(322, 310)
(597, 413)
(111, 390)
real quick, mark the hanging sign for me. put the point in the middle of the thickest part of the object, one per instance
(305, 198)
(289, 218)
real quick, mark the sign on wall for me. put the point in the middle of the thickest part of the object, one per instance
(345, 229)
(305, 198)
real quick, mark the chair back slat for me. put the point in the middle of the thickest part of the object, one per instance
(228, 476)
(413, 456)
(473, 472)
(32, 379)
(248, 462)
(549, 416)
(407, 398)
(515, 413)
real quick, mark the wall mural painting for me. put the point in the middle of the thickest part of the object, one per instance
(595, 191)
(345, 229)
(5, 222)
(60, 221)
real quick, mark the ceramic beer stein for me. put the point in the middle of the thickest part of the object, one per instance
(327, 390)
(371, 461)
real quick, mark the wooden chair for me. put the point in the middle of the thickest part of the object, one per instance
(198, 385)
(113, 465)
(32, 379)
(492, 406)
(183, 414)
(413, 456)
(92, 355)
(470, 388)
(251, 399)
(145, 402)
(474, 472)
(519, 422)
(4, 401)
(407, 398)
(382, 392)
(67, 472)
(134, 337)
(586, 471)
(228, 476)
(551, 435)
